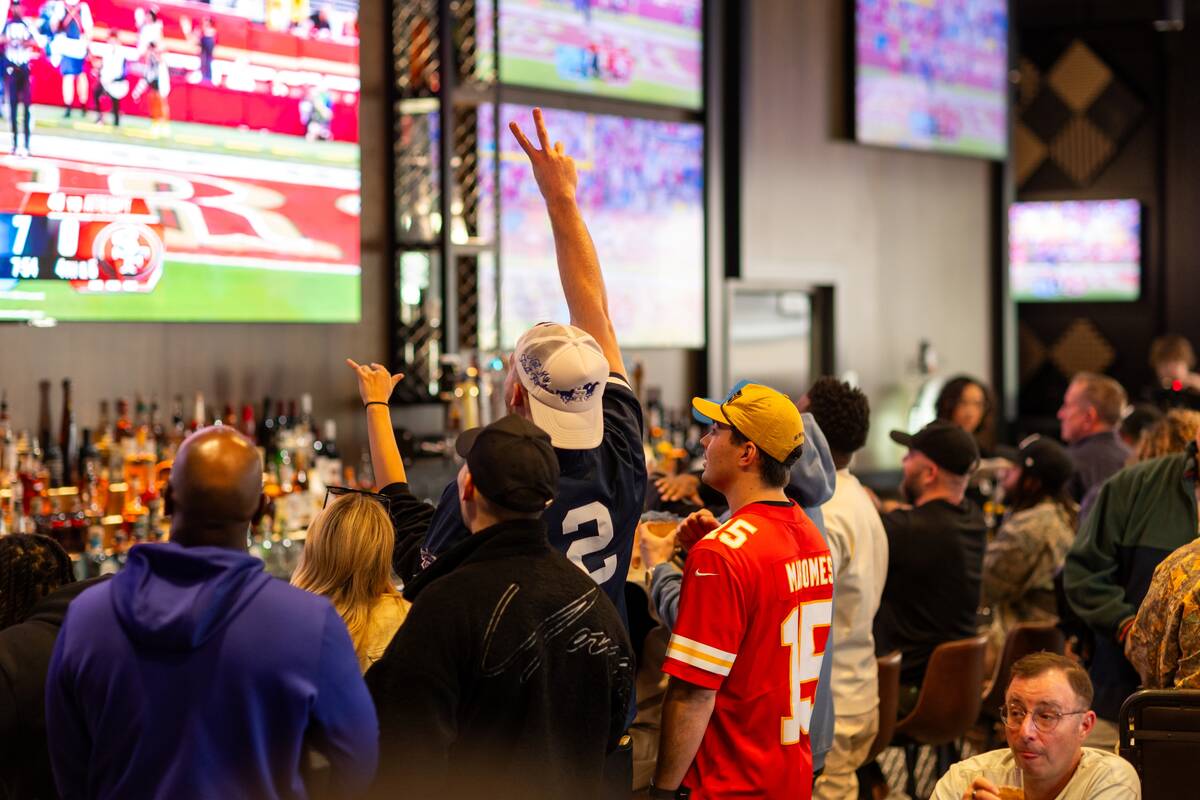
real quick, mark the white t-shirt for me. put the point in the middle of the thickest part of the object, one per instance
(1101, 775)
(859, 547)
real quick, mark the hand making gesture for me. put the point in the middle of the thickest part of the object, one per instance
(553, 169)
(375, 383)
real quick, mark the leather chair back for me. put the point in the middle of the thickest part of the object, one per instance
(889, 700)
(951, 694)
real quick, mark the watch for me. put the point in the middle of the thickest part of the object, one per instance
(656, 793)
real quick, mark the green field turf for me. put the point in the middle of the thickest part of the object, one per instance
(191, 136)
(529, 72)
(1090, 297)
(203, 293)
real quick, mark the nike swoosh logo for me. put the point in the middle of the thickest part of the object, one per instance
(700, 574)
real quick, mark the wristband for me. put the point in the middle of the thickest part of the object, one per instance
(370, 403)
(655, 793)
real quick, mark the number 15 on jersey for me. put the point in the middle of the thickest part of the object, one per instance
(805, 632)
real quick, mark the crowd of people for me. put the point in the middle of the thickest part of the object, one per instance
(499, 644)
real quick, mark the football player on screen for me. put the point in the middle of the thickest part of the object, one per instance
(20, 42)
(71, 21)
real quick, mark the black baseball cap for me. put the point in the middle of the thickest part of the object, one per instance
(1043, 458)
(945, 444)
(512, 463)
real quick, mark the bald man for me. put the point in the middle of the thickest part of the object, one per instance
(193, 673)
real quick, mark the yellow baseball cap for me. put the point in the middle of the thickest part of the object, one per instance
(764, 416)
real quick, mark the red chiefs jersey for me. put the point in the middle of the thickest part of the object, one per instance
(754, 617)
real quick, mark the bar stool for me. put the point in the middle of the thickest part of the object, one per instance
(947, 706)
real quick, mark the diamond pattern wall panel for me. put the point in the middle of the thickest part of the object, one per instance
(1081, 150)
(1082, 348)
(1079, 76)
(1073, 117)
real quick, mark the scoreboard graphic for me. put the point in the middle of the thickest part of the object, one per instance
(99, 243)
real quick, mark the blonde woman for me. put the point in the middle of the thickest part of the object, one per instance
(348, 558)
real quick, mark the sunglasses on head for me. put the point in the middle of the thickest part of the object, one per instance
(338, 491)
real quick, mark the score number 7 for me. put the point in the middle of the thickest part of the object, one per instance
(799, 633)
(21, 224)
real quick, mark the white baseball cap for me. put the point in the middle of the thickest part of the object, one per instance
(564, 372)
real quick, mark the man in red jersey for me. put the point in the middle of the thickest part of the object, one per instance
(754, 617)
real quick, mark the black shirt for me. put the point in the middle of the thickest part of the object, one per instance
(935, 563)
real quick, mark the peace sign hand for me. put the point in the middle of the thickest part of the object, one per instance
(553, 169)
(375, 383)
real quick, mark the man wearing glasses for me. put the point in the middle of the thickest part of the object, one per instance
(1047, 715)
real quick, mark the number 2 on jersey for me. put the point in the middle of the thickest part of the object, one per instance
(799, 633)
(576, 518)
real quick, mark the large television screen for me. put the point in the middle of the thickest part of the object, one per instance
(185, 162)
(641, 191)
(1075, 251)
(647, 50)
(932, 75)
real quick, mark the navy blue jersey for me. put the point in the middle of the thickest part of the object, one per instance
(599, 503)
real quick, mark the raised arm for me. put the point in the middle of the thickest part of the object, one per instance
(375, 385)
(578, 266)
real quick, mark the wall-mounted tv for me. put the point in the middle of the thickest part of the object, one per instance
(932, 75)
(185, 162)
(1088, 250)
(645, 50)
(641, 190)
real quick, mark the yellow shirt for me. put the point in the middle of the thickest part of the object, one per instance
(387, 615)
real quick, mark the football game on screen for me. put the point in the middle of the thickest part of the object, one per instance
(180, 161)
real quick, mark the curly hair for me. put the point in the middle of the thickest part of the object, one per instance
(1171, 434)
(842, 412)
(31, 567)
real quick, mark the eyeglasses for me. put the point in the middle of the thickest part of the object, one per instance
(338, 491)
(1044, 721)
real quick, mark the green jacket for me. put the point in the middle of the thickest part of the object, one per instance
(1142, 514)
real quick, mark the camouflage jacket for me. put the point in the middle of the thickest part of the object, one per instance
(1164, 642)
(1020, 564)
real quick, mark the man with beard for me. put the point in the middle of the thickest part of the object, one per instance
(935, 554)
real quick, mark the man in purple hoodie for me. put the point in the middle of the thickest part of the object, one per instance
(193, 673)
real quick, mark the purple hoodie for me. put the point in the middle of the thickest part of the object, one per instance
(193, 673)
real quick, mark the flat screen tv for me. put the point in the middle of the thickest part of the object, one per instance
(1087, 250)
(184, 162)
(645, 50)
(641, 191)
(932, 75)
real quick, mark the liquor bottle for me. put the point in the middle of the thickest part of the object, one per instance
(123, 430)
(178, 428)
(199, 415)
(158, 436)
(266, 427)
(329, 461)
(43, 428)
(68, 438)
(8, 445)
(248, 427)
(228, 417)
(52, 458)
(281, 419)
(104, 436)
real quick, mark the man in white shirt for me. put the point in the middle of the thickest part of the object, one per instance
(1047, 715)
(859, 547)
